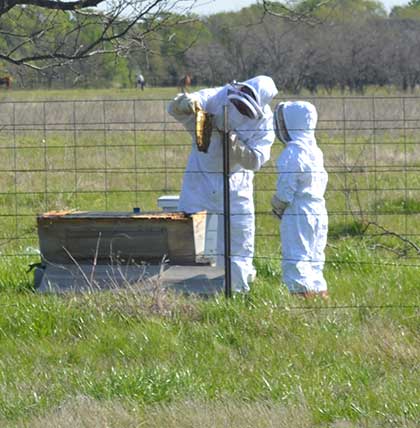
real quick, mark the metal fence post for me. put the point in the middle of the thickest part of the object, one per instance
(226, 206)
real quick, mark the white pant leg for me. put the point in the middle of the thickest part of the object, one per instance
(299, 236)
(242, 249)
(242, 223)
(319, 252)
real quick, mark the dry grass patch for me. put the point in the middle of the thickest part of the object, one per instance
(195, 414)
(84, 412)
(132, 302)
(390, 343)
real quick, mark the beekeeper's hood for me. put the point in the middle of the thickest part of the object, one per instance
(251, 96)
(295, 121)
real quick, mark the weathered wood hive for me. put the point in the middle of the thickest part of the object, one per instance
(83, 250)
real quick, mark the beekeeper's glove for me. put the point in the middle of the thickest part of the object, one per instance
(241, 154)
(278, 206)
(184, 104)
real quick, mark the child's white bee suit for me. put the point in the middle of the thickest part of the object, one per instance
(299, 198)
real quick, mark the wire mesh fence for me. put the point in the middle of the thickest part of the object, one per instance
(114, 155)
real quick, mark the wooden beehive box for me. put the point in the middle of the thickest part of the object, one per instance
(83, 237)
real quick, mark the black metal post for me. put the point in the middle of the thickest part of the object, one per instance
(226, 206)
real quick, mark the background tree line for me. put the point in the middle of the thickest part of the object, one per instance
(336, 44)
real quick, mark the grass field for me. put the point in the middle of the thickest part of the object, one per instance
(115, 359)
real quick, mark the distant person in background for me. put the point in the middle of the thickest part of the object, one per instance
(299, 200)
(140, 81)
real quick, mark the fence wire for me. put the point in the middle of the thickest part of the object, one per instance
(114, 155)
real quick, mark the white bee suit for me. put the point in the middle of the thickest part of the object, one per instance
(202, 187)
(301, 184)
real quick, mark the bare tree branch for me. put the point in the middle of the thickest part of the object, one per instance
(386, 232)
(289, 13)
(41, 34)
(6, 5)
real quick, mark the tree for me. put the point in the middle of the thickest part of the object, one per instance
(294, 10)
(43, 34)
(409, 11)
(346, 10)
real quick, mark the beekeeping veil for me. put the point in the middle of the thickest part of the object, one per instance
(246, 99)
(280, 125)
(295, 121)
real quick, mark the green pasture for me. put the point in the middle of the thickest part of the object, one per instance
(118, 360)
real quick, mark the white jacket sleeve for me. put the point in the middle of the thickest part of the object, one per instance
(241, 154)
(290, 169)
(259, 141)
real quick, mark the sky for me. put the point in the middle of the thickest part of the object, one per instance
(207, 7)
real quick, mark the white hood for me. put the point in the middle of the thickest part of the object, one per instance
(300, 118)
(264, 89)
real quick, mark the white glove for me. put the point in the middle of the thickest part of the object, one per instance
(183, 104)
(278, 206)
(241, 154)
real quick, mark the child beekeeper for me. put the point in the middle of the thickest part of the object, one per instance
(299, 199)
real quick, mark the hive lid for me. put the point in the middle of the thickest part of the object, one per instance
(97, 215)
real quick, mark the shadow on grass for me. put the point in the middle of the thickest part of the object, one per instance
(343, 230)
(397, 206)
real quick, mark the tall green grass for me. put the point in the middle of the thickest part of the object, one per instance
(351, 360)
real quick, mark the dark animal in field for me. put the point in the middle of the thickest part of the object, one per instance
(6, 81)
(184, 83)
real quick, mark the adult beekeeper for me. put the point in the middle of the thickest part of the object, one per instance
(251, 135)
(299, 199)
